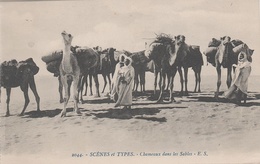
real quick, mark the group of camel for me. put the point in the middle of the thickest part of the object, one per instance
(165, 54)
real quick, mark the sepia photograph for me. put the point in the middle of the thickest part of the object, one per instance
(121, 81)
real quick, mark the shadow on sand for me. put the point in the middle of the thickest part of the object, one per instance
(211, 98)
(98, 101)
(44, 113)
(138, 113)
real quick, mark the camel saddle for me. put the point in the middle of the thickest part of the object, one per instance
(11, 71)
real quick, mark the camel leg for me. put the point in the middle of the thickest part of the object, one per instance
(229, 78)
(34, 90)
(160, 81)
(60, 89)
(81, 83)
(76, 94)
(199, 78)
(186, 80)
(171, 78)
(142, 81)
(66, 87)
(196, 81)
(219, 81)
(8, 93)
(86, 84)
(24, 88)
(109, 82)
(168, 82)
(105, 82)
(136, 82)
(97, 85)
(162, 78)
(155, 81)
(181, 79)
(90, 85)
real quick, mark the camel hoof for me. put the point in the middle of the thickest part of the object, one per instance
(7, 114)
(97, 96)
(61, 100)
(63, 114)
(78, 112)
(181, 93)
(90, 94)
(186, 93)
(159, 101)
(21, 114)
(85, 94)
(216, 96)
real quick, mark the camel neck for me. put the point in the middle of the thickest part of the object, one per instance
(66, 59)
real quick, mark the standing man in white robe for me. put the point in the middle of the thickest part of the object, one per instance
(125, 85)
(119, 65)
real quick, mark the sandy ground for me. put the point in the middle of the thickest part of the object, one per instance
(228, 133)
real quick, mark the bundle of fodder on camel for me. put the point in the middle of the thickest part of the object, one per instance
(11, 71)
(164, 38)
(53, 61)
(86, 58)
(237, 44)
(139, 58)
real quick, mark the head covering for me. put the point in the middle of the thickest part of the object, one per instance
(130, 61)
(122, 57)
(242, 59)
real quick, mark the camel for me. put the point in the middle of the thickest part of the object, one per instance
(69, 71)
(162, 52)
(88, 60)
(20, 74)
(225, 56)
(105, 67)
(139, 63)
(189, 56)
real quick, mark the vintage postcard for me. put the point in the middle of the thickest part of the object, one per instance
(121, 81)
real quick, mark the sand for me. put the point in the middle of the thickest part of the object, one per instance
(226, 132)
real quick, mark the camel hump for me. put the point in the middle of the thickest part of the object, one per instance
(8, 72)
(139, 58)
(29, 63)
(195, 47)
(214, 42)
(86, 57)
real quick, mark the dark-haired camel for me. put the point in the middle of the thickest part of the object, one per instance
(21, 75)
(188, 56)
(105, 67)
(164, 56)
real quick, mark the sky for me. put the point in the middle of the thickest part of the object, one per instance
(33, 29)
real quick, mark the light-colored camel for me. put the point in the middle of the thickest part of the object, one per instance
(21, 74)
(69, 71)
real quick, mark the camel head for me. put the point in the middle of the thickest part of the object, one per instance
(225, 51)
(67, 38)
(225, 39)
(180, 39)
